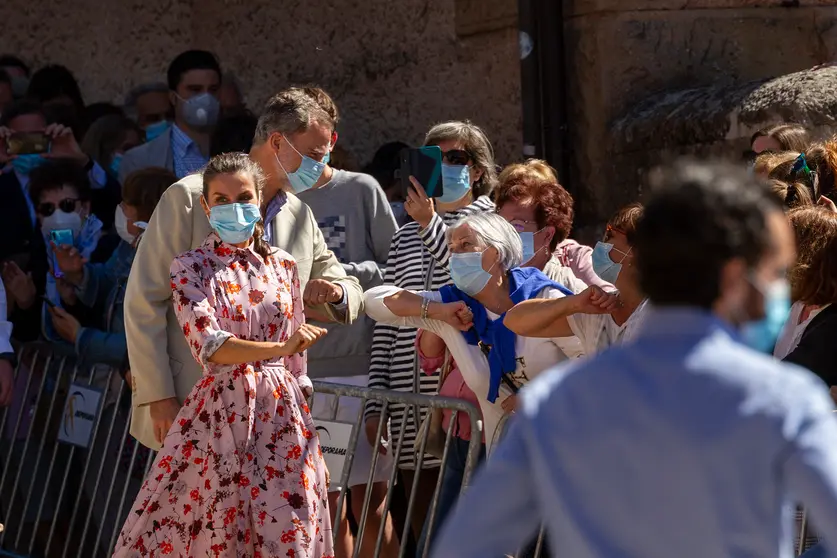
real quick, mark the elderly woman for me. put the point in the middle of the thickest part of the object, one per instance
(417, 260)
(495, 363)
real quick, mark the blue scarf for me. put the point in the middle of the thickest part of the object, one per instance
(524, 284)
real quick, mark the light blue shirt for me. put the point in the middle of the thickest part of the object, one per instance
(684, 444)
(186, 155)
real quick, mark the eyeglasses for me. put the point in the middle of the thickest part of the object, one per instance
(456, 157)
(67, 205)
(520, 224)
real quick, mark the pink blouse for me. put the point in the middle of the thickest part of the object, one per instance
(579, 258)
(453, 386)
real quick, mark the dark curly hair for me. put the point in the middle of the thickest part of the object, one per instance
(699, 217)
(534, 183)
(54, 175)
(813, 277)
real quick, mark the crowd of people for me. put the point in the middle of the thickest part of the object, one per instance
(221, 260)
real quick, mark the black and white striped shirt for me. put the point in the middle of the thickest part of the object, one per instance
(393, 348)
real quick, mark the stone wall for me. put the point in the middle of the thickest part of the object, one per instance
(395, 68)
(620, 52)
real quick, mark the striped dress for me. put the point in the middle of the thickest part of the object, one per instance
(411, 256)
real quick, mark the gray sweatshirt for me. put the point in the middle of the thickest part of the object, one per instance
(350, 198)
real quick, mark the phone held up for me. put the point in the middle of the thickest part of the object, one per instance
(27, 143)
(425, 165)
(59, 237)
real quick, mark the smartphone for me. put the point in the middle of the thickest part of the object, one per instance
(425, 165)
(59, 237)
(49, 302)
(25, 143)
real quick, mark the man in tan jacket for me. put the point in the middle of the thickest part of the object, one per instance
(294, 135)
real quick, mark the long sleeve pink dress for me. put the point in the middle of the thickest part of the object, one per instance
(241, 472)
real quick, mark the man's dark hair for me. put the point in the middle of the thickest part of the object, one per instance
(53, 175)
(21, 108)
(4, 77)
(53, 81)
(233, 133)
(699, 217)
(188, 61)
(11, 61)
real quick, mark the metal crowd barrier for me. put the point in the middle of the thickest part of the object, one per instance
(420, 404)
(70, 471)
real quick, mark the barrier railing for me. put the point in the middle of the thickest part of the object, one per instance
(418, 404)
(70, 471)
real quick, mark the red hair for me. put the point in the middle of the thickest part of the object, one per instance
(553, 204)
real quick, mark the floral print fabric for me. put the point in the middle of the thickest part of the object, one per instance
(241, 472)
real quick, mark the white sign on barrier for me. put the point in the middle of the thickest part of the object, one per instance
(334, 441)
(79, 416)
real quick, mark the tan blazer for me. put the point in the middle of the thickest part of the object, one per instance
(161, 364)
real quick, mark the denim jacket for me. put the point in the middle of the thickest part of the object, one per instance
(104, 287)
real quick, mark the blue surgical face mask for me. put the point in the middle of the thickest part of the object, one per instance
(327, 158)
(234, 222)
(154, 131)
(603, 265)
(761, 335)
(115, 162)
(456, 182)
(308, 173)
(528, 241)
(201, 111)
(25, 164)
(467, 272)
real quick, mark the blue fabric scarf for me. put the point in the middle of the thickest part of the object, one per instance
(524, 284)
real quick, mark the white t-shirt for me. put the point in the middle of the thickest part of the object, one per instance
(533, 355)
(597, 332)
(793, 330)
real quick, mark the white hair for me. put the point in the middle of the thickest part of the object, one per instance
(492, 231)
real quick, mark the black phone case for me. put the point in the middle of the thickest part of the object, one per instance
(425, 165)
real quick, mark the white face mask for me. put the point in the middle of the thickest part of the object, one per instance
(60, 220)
(121, 224)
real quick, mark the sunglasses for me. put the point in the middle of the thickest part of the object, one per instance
(456, 157)
(67, 205)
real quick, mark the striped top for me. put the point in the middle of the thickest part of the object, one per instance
(393, 348)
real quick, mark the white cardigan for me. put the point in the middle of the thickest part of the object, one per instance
(533, 355)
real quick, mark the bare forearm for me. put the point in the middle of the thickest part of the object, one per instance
(240, 351)
(404, 304)
(541, 318)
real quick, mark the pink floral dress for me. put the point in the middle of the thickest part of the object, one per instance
(241, 472)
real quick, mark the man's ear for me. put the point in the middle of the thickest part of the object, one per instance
(334, 137)
(275, 140)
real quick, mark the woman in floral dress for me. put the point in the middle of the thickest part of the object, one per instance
(241, 472)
